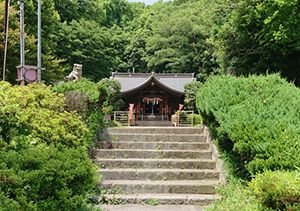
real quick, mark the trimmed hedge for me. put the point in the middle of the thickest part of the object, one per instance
(257, 117)
(46, 178)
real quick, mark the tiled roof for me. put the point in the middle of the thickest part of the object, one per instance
(174, 81)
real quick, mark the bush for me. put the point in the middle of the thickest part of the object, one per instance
(46, 178)
(197, 119)
(84, 97)
(8, 204)
(82, 86)
(278, 190)
(103, 97)
(43, 151)
(34, 114)
(258, 116)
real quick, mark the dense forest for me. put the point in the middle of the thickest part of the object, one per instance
(207, 37)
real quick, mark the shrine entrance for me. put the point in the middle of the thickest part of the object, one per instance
(152, 106)
(153, 101)
(153, 97)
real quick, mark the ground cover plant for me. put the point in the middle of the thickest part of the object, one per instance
(44, 163)
(256, 122)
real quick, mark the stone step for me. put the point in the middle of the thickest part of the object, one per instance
(161, 199)
(139, 153)
(158, 186)
(149, 207)
(158, 174)
(152, 145)
(157, 130)
(155, 163)
(147, 137)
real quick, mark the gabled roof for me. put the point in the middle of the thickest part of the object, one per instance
(173, 81)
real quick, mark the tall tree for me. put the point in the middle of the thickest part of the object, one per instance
(96, 47)
(262, 36)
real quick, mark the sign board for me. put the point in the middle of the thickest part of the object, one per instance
(30, 73)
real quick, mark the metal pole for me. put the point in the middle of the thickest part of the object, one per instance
(6, 26)
(22, 41)
(39, 46)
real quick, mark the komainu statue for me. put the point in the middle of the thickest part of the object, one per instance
(76, 74)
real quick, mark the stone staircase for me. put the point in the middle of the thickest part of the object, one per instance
(165, 165)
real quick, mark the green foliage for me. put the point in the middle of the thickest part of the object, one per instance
(82, 86)
(87, 43)
(33, 114)
(236, 196)
(46, 178)
(84, 97)
(153, 202)
(197, 119)
(190, 91)
(261, 37)
(43, 151)
(103, 98)
(8, 204)
(256, 118)
(114, 91)
(13, 55)
(172, 38)
(278, 190)
(206, 37)
(54, 68)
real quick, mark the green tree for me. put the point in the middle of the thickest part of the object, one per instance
(70, 10)
(91, 45)
(190, 92)
(262, 36)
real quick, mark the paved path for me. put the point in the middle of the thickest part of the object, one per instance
(129, 207)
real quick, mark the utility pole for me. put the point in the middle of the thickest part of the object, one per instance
(39, 46)
(22, 42)
(6, 26)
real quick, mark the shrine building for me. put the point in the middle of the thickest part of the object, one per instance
(155, 96)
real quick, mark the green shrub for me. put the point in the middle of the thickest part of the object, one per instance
(197, 119)
(43, 151)
(258, 116)
(278, 190)
(85, 97)
(34, 114)
(46, 178)
(8, 204)
(82, 86)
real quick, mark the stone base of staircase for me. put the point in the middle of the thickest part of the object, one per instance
(161, 165)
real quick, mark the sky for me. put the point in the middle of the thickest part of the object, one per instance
(147, 2)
